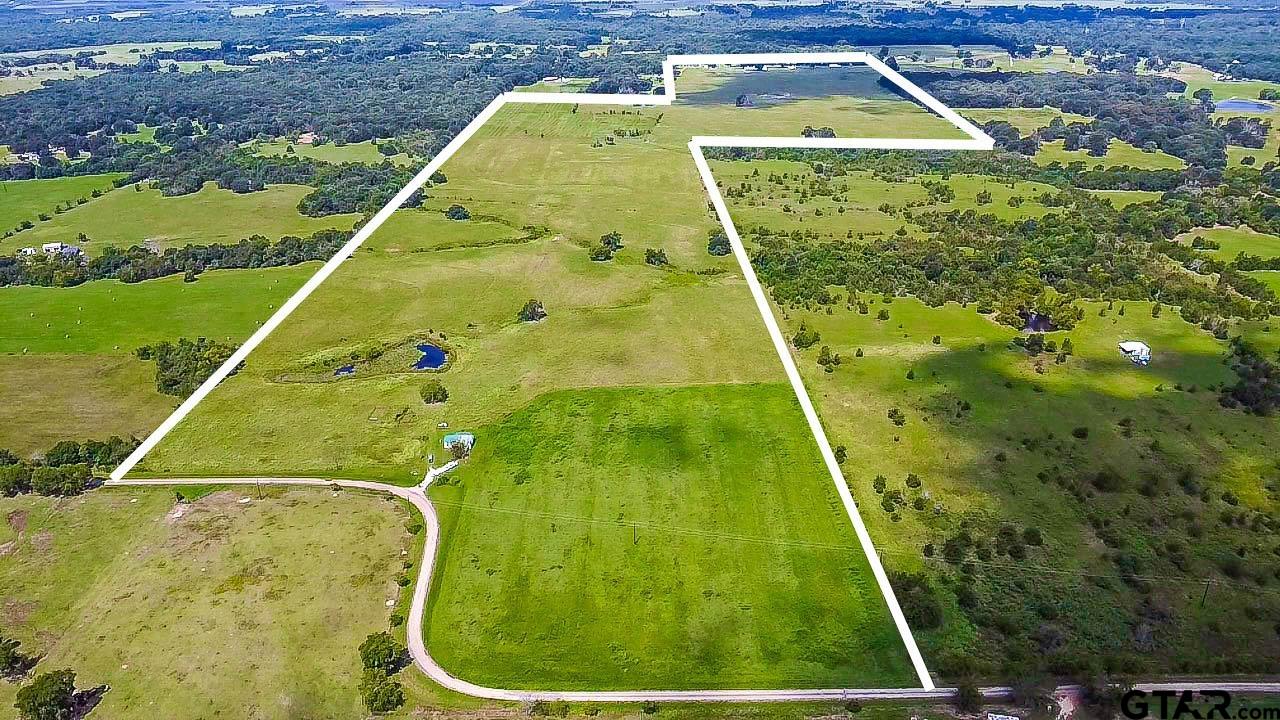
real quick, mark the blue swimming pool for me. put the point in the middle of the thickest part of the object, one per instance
(433, 358)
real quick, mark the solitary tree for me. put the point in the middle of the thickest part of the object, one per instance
(457, 212)
(380, 693)
(434, 393)
(532, 312)
(655, 257)
(718, 244)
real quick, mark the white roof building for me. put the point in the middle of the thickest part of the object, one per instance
(1136, 351)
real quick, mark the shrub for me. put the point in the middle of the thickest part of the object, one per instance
(841, 454)
(718, 244)
(381, 652)
(919, 604)
(657, 258)
(457, 212)
(14, 480)
(531, 312)
(380, 693)
(805, 338)
(51, 696)
(649, 707)
(968, 697)
(1032, 536)
(434, 393)
(63, 481)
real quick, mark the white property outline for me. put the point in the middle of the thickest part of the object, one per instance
(976, 140)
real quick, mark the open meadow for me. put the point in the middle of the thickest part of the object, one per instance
(361, 152)
(661, 372)
(67, 354)
(27, 200)
(126, 217)
(1065, 509)
(237, 604)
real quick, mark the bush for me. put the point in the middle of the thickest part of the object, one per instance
(381, 652)
(457, 212)
(531, 312)
(434, 393)
(63, 481)
(13, 663)
(51, 696)
(657, 258)
(968, 697)
(1080, 433)
(380, 693)
(920, 606)
(718, 244)
(15, 480)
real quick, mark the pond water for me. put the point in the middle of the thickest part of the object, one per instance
(1039, 324)
(1240, 105)
(344, 371)
(764, 88)
(432, 358)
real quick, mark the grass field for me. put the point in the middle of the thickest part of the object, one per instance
(27, 199)
(1027, 120)
(1119, 152)
(987, 429)
(1236, 240)
(1270, 277)
(213, 609)
(1197, 78)
(742, 571)
(66, 357)
(125, 217)
(622, 340)
(361, 152)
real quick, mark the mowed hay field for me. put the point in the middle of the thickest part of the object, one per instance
(1118, 153)
(66, 356)
(126, 217)
(623, 340)
(218, 608)
(656, 538)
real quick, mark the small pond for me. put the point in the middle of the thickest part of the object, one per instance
(344, 371)
(1241, 105)
(763, 88)
(433, 358)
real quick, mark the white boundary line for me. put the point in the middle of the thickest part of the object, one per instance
(976, 140)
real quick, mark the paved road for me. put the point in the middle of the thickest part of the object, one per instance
(424, 661)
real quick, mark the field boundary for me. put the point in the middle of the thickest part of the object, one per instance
(975, 140)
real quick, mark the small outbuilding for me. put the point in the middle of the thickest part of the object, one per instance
(465, 439)
(1138, 352)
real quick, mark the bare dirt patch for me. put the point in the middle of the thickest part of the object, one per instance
(17, 520)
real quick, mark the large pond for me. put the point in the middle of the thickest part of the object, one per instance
(764, 88)
(1241, 105)
(433, 358)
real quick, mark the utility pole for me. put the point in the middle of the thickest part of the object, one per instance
(1206, 592)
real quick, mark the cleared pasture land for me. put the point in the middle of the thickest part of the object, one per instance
(126, 217)
(362, 152)
(992, 439)
(215, 608)
(1235, 240)
(643, 538)
(1119, 153)
(27, 199)
(66, 356)
(622, 339)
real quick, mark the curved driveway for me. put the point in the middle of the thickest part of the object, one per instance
(418, 648)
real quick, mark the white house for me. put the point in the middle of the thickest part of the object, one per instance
(63, 249)
(27, 251)
(1136, 351)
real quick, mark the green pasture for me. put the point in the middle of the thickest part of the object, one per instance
(980, 466)
(215, 608)
(27, 199)
(641, 538)
(38, 75)
(1235, 240)
(127, 217)
(362, 152)
(1119, 153)
(145, 134)
(1270, 277)
(1027, 120)
(1123, 198)
(120, 53)
(1198, 78)
(67, 369)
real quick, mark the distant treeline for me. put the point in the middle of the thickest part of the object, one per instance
(66, 469)
(138, 263)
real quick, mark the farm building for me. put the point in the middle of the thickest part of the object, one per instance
(464, 438)
(1136, 351)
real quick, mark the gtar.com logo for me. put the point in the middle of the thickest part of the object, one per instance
(1190, 705)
